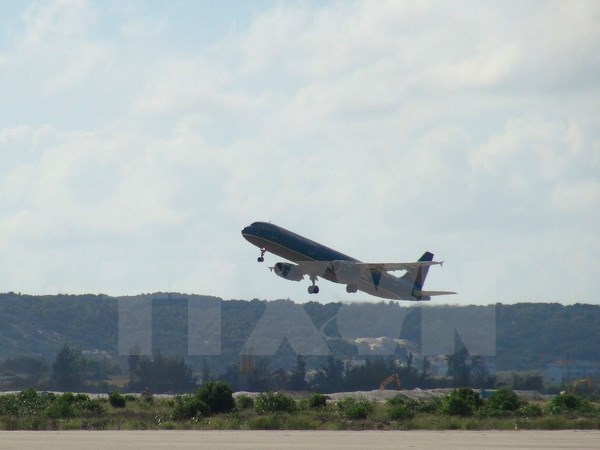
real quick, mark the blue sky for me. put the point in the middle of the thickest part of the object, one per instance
(138, 138)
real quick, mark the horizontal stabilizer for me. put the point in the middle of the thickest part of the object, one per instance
(432, 293)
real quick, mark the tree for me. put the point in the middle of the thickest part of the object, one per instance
(133, 362)
(528, 381)
(31, 369)
(330, 377)
(369, 375)
(258, 378)
(409, 359)
(206, 376)
(458, 368)
(67, 369)
(480, 376)
(25, 364)
(426, 371)
(298, 376)
(161, 374)
(217, 395)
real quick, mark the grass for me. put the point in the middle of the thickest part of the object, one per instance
(342, 415)
(271, 422)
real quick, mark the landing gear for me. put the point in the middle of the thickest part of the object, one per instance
(314, 289)
(261, 258)
(351, 288)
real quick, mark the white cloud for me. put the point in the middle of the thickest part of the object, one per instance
(56, 37)
(487, 69)
(578, 196)
(381, 128)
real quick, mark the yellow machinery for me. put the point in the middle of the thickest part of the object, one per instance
(391, 379)
(584, 387)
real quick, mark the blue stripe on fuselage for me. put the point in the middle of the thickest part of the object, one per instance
(277, 240)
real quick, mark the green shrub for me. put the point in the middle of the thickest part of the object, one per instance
(28, 394)
(504, 399)
(400, 412)
(217, 395)
(269, 402)
(397, 400)
(90, 405)
(401, 400)
(189, 407)
(147, 396)
(461, 402)
(317, 401)
(244, 402)
(68, 397)
(567, 403)
(27, 403)
(530, 410)
(61, 407)
(359, 410)
(116, 400)
(9, 405)
(431, 405)
(130, 398)
(81, 397)
(401, 407)
(355, 409)
(503, 402)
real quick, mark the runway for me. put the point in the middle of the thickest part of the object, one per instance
(67, 440)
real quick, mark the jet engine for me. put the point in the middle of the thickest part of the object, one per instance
(345, 271)
(288, 271)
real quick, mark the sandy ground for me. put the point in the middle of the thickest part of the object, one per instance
(67, 440)
(415, 394)
(377, 394)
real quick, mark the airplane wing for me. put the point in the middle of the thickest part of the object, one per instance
(396, 266)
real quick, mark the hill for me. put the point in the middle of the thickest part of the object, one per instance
(527, 335)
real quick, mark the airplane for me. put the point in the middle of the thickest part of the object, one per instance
(316, 260)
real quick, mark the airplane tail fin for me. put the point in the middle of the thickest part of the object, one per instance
(416, 277)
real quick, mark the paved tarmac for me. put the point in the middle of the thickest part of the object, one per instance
(67, 440)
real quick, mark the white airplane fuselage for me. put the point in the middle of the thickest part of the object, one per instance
(317, 260)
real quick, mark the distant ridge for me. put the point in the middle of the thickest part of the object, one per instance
(528, 335)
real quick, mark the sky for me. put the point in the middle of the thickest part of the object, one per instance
(138, 138)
